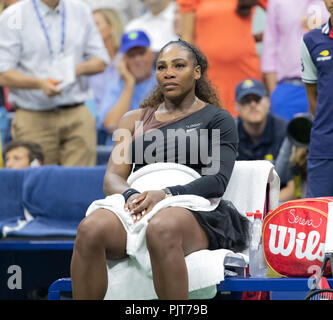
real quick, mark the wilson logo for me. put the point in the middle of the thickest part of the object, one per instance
(286, 241)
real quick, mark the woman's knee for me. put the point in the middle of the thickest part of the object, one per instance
(102, 231)
(162, 233)
(90, 232)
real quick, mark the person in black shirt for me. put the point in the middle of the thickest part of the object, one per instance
(261, 133)
(183, 100)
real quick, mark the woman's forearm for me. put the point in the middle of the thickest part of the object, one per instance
(113, 183)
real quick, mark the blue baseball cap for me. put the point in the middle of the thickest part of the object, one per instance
(133, 39)
(250, 86)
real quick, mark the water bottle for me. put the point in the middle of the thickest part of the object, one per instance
(249, 215)
(257, 264)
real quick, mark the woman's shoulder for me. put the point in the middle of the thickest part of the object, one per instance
(217, 113)
(129, 118)
(127, 121)
(222, 120)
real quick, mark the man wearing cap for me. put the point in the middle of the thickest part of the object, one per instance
(260, 132)
(134, 82)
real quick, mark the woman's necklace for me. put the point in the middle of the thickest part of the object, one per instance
(175, 115)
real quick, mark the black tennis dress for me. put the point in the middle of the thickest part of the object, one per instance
(205, 140)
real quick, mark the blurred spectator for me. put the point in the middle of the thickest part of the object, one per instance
(9, 107)
(127, 9)
(6, 3)
(287, 22)
(3, 116)
(260, 133)
(223, 31)
(157, 22)
(20, 154)
(296, 179)
(177, 21)
(317, 73)
(4, 91)
(44, 63)
(111, 29)
(1, 161)
(2, 97)
(133, 83)
(291, 163)
(258, 27)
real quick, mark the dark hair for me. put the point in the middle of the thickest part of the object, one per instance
(203, 88)
(244, 7)
(34, 149)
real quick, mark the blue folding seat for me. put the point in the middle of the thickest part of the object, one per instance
(56, 198)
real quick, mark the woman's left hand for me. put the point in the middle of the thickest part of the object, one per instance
(145, 203)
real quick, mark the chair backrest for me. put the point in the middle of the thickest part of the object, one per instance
(62, 193)
(51, 200)
(161, 175)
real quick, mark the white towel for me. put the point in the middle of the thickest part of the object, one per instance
(127, 281)
(136, 232)
(247, 186)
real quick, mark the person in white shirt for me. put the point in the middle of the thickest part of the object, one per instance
(157, 22)
(44, 60)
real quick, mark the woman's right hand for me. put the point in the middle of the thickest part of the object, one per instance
(129, 205)
(145, 202)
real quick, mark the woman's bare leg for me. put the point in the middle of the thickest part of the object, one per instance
(101, 235)
(172, 234)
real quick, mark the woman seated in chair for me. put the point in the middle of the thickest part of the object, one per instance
(183, 100)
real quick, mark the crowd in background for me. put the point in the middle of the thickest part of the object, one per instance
(254, 55)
